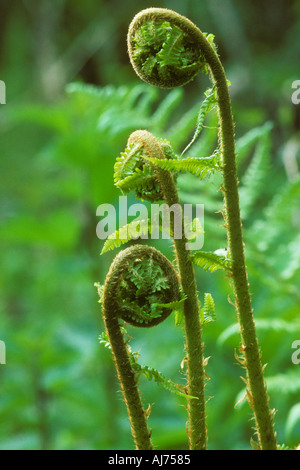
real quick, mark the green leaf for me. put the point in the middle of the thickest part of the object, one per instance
(176, 305)
(257, 173)
(206, 106)
(198, 166)
(245, 143)
(208, 311)
(147, 371)
(126, 233)
(159, 378)
(210, 261)
(164, 111)
(275, 325)
(293, 420)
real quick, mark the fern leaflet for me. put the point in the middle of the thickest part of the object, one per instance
(198, 166)
(210, 261)
(148, 372)
(206, 106)
(133, 230)
(208, 311)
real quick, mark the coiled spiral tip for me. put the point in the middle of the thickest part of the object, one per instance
(139, 283)
(163, 48)
(132, 172)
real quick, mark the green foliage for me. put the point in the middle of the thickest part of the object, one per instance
(258, 170)
(163, 51)
(205, 108)
(143, 291)
(133, 173)
(132, 230)
(198, 166)
(208, 311)
(210, 261)
(159, 378)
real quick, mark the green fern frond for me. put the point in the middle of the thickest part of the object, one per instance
(205, 108)
(159, 378)
(275, 325)
(257, 173)
(176, 305)
(288, 383)
(180, 131)
(133, 171)
(210, 261)
(245, 143)
(208, 311)
(172, 48)
(148, 372)
(127, 233)
(288, 197)
(292, 421)
(163, 51)
(140, 180)
(283, 447)
(126, 163)
(198, 166)
(278, 215)
(163, 113)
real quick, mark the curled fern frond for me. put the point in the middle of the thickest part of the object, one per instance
(140, 287)
(133, 170)
(162, 48)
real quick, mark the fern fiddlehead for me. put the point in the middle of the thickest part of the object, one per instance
(140, 282)
(144, 149)
(168, 50)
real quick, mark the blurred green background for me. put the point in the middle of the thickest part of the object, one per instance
(59, 141)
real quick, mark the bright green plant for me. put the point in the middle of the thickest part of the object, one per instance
(167, 50)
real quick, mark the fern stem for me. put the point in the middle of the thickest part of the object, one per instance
(193, 330)
(127, 378)
(258, 391)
